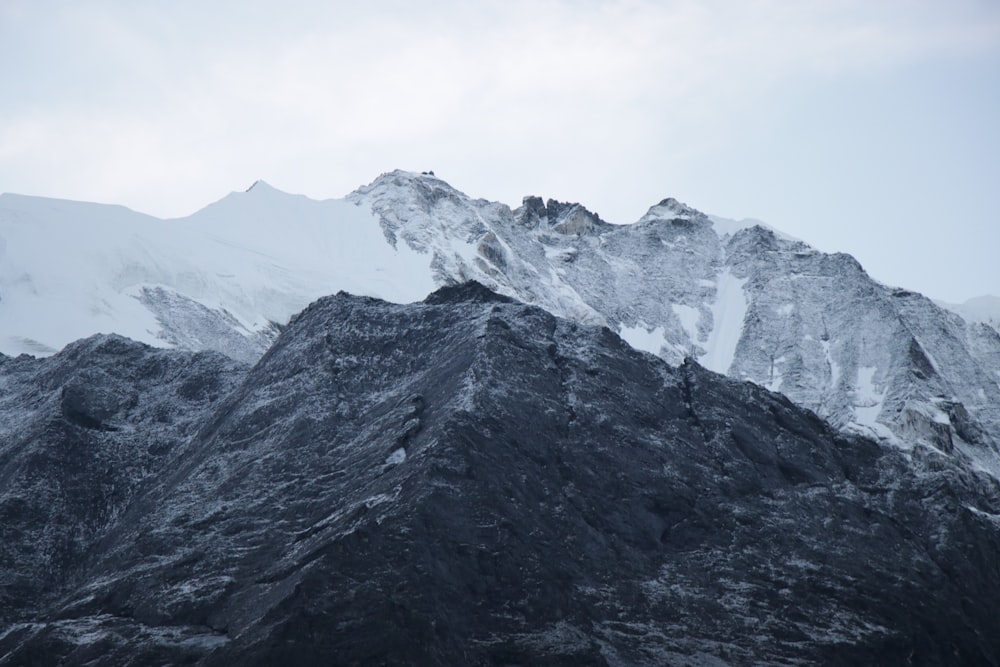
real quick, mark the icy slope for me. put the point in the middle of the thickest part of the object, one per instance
(215, 280)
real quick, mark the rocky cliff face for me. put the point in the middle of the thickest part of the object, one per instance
(469, 480)
(739, 298)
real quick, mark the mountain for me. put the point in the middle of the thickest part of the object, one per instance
(467, 480)
(738, 297)
(79, 432)
(224, 278)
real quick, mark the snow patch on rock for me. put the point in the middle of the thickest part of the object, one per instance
(728, 312)
(689, 318)
(643, 337)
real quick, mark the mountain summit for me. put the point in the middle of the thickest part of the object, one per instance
(737, 297)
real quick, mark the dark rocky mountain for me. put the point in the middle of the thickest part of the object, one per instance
(79, 432)
(468, 481)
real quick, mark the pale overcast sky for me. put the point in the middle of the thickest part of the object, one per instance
(869, 127)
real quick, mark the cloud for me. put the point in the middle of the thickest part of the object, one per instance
(187, 99)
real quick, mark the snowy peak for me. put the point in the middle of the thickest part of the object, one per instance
(671, 209)
(219, 279)
(423, 188)
(262, 185)
(420, 208)
(737, 296)
(259, 202)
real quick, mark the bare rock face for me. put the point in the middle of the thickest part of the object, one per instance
(470, 480)
(79, 434)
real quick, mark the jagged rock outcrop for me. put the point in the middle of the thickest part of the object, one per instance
(470, 480)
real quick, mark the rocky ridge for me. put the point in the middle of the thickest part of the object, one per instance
(739, 298)
(469, 480)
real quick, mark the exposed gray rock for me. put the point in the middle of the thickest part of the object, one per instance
(79, 433)
(470, 480)
(739, 298)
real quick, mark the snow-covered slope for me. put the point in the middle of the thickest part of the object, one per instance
(219, 279)
(985, 309)
(736, 296)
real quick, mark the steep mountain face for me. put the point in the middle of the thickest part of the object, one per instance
(735, 296)
(471, 480)
(79, 433)
(738, 297)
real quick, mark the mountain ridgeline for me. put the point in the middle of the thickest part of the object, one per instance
(468, 480)
(739, 298)
(512, 437)
(736, 297)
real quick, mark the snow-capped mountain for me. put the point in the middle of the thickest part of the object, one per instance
(488, 475)
(738, 297)
(219, 279)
